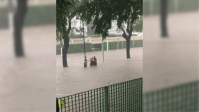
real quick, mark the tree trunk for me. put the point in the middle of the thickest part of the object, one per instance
(57, 105)
(66, 44)
(128, 47)
(18, 25)
(128, 38)
(64, 51)
(164, 18)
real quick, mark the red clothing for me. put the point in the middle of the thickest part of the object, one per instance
(90, 59)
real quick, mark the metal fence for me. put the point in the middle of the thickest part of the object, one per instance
(179, 98)
(121, 97)
(96, 47)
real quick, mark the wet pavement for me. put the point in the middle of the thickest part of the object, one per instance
(115, 69)
(174, 60)
(28, 84)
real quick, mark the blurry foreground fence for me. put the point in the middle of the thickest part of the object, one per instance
(121, 97)
(153, 6)
(179, 98)
(36, 15)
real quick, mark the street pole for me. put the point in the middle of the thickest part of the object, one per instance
(133, 41)
(102, 49)
(85, 60)
(107, 45)
(117, 43)
(84, 41)
(122, 43)
(11, 7)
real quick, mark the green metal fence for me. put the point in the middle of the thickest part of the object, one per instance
(121, 97)
(179, 98)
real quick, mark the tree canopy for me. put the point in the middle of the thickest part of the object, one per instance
(102, 12)
(138, 25)
(61, 20)
(99, 13)
(66, 10)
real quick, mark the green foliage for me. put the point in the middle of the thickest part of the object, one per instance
(61, 20)
(101, 13)
(59, 37)
(128, 11)
(66, 10)
(138, 25)
(90, 31)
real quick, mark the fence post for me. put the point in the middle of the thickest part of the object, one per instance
(107, 108)
(117, 43)
(122, 43)
(107, 45)
(57, 105)
(133, 41)
(103, 49)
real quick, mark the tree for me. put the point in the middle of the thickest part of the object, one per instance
(18, 26)
(66, 10)
(102, 12)
(163, 14)
(58, 37)
(138, 25)
(128, 12)
(90, 30)
(99, 13)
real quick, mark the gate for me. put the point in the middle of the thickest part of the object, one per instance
(96, 47)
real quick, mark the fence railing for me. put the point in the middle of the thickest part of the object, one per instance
(121, 97)
(179, 98)
(79, 48)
